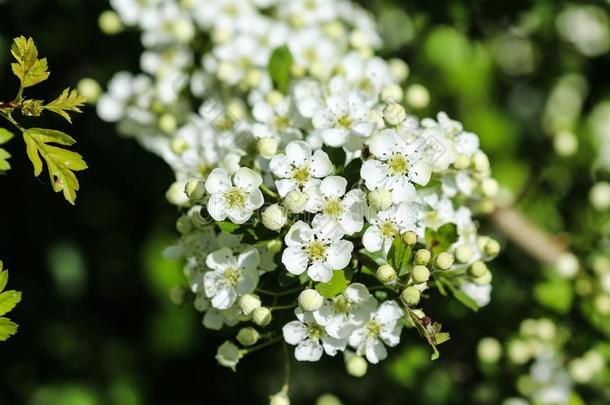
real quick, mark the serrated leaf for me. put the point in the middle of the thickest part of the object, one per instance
(335, 286)
(7, 328)
(280, 65)
(61, 163)
(68, 100)
(8, 300)
(3, 278)
(29, 69)
(4, 164)
(5, 136)
(441, 239)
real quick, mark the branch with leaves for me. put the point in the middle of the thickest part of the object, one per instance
(42, 144)
(8, 300)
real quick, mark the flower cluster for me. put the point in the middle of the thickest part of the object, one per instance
(314, 203)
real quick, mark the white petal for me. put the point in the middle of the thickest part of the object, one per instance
(249, 260)
(391, 336)
(327, 228)
(299, 234)
(295, 260)
(374, 173)
(372, 239)
(224, 298)
(217, 207)
(297, 152)
(375, 352)
(218, 181)
(351, 223)
(356, 339)
(315, 201)
(420, 172)
(364, 129)
(320, 164)
(220, 259)
(383, 145)
(280, 166)
(239, 215)
(335, 137)
(339, 254)
(357, 293)
(308, 350)
(320, 271)
(388, 313)
(254, 200)
(402, 189)
(333, 186)
(248, 282)
(332, 345)
(294, 332)
(285, 186)
(247, 179)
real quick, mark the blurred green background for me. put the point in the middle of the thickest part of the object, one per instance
(96, 323)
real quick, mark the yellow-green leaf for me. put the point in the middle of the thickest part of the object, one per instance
(61, 163)
(5, 136)
(67, 101)
(4, 164)
(29, 69)
(8, 300)
(7, 328)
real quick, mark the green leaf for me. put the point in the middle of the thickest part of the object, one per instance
(399, 256)
(556, 295)
(5, 136)
(4, 164)
(335, 286)
(228, 227)
(430, 330)
(29, 69)
(8, 300)
(61, 163)
(280, 65)
(7, 329)
(440, 240)
(69, 100)
(460, 295)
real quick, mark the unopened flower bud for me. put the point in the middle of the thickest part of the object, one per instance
(175, 194)
(420, 274)
(492, 248)
(380, 199)
(444, 261)
(480, 161)
(195, 189)
(409, 237)
(184, 224)
(110, 23)
(267, 147)
(295, 201)
(248, 336)
(262, 316)
(355, 365)
(463, 253)
(461, 161)
(478, 269)
(228, 355)
(489, 350)
(274, 217)
(422, 256)
(599, 196)
(274, 246)
(281, 398)
(328, 399)
(167, 123)
(484, 279)
(392, 93)
(178, 145)
(386, 273)
(310, 300)
(410, 295)
(417, 96)
(490, 187)
(394, 114)
(482, 242)
(248, 303)
(567, 265)
(399, 69)
(90, 89)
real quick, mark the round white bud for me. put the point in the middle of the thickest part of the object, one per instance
(380, 199)
(262, 316)
(183, 29)
(392, 93)
(248, 303)
(175, 194)
(248, 336)
(409, 237)
(178, 145)
(420, 274)
(394, 114)
(281, 398)
(492, 248)
(167, 123)
(399, 69)
(567, 265)
(489, 350)
(295, 201)
(463, 253)
(417, 96)
(253, 78)
(267, 147)
(410, 295)
(274, 217)
(565, 143)
(490, 187)
(444, 261)
(310, 300)
(599, 196)
(228, 355)
(328, 399)
(386, 273)
(478, 269)
(462, 161)
(110, 23)
(484, 279)
(90, 89)
(422, 256)
(195, 189)
(480, 161)
(355, 365)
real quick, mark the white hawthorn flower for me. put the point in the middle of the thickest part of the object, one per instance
(334, 204)
(342, 117)
(231, 276)
(299, 168)
(344, 313)
(310, 338)
(236, 199)
(481, 294)
(319, 251)
(382, 328)
(387, 224)
(397, 164)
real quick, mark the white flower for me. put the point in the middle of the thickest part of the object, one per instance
(319, 251)
(383, 327)
(299, 168)
(237, 199)
(342, 117)
(310, 338)
(330, 199)
(231, 276)
(396, 165)
(481, 294)
(387, 224)
(342, 314)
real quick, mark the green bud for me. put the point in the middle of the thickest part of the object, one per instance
(409, 237)
(248, 336)
(410, 295)
(422, 256)
(492, 248)
(195, 189)
(110, 23)
(484, 279)
(355, 365)
(274, 245)
(386, 273)
(463, 253)
(228, 355)
(478, 269)
(262, 316)
(184, 225)
(444, 261)
(420, 274)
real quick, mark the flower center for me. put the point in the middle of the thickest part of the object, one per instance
(344, 121)
(301, 174)
(232, 275)
(333, 207)
(235, 197)
(316, 250)
(373, 328)
(342, 305)
(388, 229)
(315, 331)
(281, 123)
(398, 164)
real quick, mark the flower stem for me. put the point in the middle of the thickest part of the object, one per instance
(269, 192)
